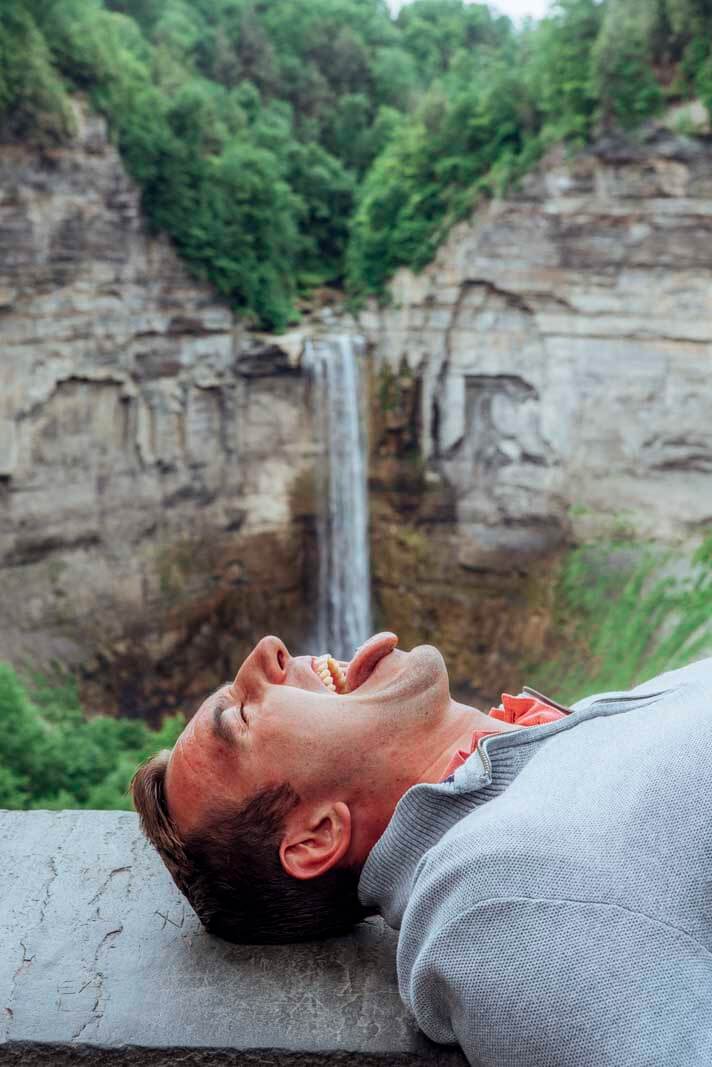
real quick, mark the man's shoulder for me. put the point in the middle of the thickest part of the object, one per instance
(572, 820)
(569, 798)
(695, 679)
(550, 980)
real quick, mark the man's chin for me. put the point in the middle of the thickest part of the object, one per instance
(419, 675)
(429, 670)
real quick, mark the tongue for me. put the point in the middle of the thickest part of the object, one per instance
(366, 658)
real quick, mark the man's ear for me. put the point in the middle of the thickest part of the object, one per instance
(315, 839)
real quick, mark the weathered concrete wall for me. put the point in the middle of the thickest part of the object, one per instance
(103, 961)
(563, 342)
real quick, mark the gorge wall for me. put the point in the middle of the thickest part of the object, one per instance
(545, 380)
(150, 449)
(552, 367)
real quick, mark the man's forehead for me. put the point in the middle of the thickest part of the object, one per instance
(177, 758)
(185, 773)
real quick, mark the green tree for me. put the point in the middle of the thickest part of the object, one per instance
(557, 68)
(435, 32)
(52, 756)
(622, 64)
(326, 189)
(361, 137)
(460, 144)
(33, 102)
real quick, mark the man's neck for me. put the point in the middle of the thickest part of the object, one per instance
(424, 760)
(458, 726)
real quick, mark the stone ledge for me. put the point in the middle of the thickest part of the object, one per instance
(101, 960)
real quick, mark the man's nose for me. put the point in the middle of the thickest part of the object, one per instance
(266, 663)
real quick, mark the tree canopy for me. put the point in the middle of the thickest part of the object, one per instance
(285, 144)
(53, 756)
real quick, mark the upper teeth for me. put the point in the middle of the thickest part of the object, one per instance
(330, 673)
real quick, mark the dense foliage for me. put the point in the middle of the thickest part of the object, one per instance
(53, 756)
(623, 615)
(288, 143)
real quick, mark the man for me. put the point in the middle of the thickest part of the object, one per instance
(552, 883)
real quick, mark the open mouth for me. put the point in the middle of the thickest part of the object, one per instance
(338, 680)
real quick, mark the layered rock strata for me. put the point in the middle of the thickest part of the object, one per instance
(563, 338)
(153, 455)
(550, 372)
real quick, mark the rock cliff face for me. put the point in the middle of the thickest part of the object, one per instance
(553, 367)
(563, 339)
(149, 448)
(547, 378)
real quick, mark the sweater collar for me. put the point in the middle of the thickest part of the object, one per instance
(427, 811)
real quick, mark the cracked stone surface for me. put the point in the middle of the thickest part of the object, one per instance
(101, 958)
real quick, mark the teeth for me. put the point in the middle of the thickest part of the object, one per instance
(337, 675)
(330, 673)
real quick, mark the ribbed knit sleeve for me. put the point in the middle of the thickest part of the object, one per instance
(558, 983)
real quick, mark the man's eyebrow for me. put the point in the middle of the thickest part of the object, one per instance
(220, 728)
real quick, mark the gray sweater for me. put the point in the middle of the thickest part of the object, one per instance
(554, 898)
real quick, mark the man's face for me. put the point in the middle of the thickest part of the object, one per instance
(281, 723)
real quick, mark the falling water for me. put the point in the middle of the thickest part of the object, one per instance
(344, 620)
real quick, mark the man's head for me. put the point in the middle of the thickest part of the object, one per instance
(274, 794)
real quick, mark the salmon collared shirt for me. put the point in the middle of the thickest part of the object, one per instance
(528, 709)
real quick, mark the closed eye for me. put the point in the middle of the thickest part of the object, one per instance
(225, 701)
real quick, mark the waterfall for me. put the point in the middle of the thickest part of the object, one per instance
(344, 619)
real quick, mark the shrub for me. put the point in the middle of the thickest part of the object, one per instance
(623, 616)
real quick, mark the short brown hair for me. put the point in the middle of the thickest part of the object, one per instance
(231, 873)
